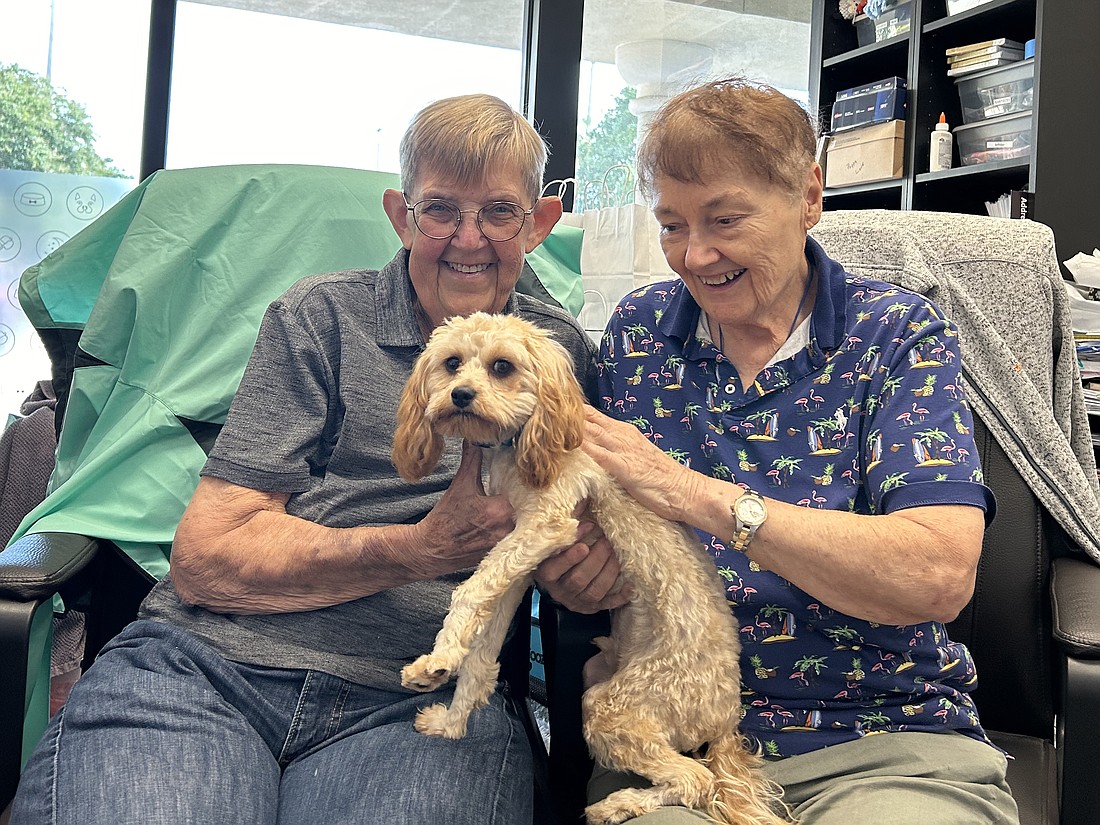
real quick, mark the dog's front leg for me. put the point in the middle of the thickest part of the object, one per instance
(478, 676)
(487, 600)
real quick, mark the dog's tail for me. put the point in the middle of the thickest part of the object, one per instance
(743, 796)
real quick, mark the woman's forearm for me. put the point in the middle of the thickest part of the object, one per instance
(911, 566)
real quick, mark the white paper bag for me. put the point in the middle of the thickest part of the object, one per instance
(621, 249)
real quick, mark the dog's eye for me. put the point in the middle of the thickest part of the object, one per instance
(452, 364)
(502, 368)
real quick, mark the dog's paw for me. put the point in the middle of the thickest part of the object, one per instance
(425, 674)
(628, 803)
(436, 720)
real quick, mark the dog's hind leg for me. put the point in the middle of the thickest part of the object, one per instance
(627, 742)
(477, 677)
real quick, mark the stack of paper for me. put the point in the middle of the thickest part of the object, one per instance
(1083, 292)
(985, 55)
(1018, 203)
(1000, 208)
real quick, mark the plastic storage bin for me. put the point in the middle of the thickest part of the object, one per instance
(1007, 137)
(956, 6)
(895, 20)
(999, 91)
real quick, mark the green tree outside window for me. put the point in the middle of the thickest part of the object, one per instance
(41, 130)
(613, 141)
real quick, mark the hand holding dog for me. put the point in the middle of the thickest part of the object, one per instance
(585, 578)
(465, 523)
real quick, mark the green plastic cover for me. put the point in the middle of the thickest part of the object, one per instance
(169, 287)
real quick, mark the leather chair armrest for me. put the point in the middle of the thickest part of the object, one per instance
(1075, 595)
(41, 564)
(1075, 599)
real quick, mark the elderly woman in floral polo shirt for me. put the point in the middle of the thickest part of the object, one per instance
(809, 424)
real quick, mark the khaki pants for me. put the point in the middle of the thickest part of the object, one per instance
(887, 779)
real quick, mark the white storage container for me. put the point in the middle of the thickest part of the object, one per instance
(956, 6)
(1007, 137)
(999, 91)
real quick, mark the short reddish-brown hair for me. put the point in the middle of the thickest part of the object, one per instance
(730, 122)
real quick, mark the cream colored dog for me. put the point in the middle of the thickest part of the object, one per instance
(503, 383)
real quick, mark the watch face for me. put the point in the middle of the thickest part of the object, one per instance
(751, 509)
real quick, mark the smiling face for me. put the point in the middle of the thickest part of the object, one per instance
(738, 243)
(467, 272)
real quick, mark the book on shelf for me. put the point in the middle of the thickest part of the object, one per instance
(1021, 204)
(956, 71)
(1003, 42)
(984, 54)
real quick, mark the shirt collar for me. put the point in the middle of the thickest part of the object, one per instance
(681, 318)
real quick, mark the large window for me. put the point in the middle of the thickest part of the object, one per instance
(331, 82)
(638, 53)
(72, 86)
(290, 81)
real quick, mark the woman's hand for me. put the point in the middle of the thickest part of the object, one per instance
(654, 479)
(465, 523)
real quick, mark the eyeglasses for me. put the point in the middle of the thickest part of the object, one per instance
(439, 219)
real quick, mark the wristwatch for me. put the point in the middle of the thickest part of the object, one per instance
(749, 512)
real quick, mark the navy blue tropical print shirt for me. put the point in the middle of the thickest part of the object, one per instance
(870, 418)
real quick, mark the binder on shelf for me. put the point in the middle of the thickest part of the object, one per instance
(877, 102)
(1021, 204)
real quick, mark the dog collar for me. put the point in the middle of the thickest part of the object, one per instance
(511, 442)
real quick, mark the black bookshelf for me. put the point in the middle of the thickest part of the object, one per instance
(1065, 118)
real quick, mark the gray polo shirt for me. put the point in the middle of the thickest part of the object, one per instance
(314, 416)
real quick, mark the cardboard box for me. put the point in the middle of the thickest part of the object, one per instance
(866, 154)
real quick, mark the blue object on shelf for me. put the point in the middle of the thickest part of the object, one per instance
(876, 102)
(1029, 48)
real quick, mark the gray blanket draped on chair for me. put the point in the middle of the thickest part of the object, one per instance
(999, 281)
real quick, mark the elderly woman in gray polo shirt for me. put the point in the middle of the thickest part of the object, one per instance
(261, 680)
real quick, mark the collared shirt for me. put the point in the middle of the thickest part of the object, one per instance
(314, 417)
(870, 417)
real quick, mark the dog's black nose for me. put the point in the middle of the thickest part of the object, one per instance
(462, 396)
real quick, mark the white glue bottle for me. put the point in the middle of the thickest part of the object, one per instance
(942, 141)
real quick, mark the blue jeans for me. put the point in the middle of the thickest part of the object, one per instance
(162, 731)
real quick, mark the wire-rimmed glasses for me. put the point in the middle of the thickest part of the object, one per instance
(439, 219)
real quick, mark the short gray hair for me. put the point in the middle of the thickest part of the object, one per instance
(468, 135)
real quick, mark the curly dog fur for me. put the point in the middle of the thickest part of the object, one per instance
(503, 383)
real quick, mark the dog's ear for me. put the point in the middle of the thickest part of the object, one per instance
(416, 446)
(557, 424)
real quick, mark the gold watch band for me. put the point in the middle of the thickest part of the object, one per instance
(743, 537)
(749, 512)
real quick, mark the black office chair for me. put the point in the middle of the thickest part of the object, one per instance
(1033, 624)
